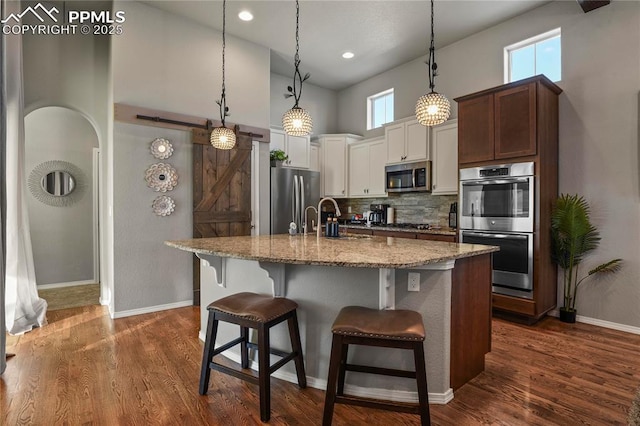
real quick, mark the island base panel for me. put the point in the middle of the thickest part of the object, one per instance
(470, 318)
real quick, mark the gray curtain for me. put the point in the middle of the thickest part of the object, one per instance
(3, 198)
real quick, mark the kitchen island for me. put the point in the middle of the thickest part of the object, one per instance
(325, 274)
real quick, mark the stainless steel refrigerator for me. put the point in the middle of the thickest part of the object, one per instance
(292, 190)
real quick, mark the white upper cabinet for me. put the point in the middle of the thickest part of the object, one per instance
(406, 141)
(444, 156)
(314, 157)
(298, 148)
(334, 163)
(367, 160)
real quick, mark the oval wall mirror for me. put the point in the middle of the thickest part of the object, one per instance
(58, 183)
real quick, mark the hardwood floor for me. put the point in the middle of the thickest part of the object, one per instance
(84, 368)
(71, 297)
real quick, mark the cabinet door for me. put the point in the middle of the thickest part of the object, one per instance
(298, 151)
(358, 170)
(395, 234)
(377, 161)
(395, 142)
(277, 140)
(314, 158)
(416, 141)
(475, 129)
(515, 122)
(437, 237)
(334, 166)
(444, 159)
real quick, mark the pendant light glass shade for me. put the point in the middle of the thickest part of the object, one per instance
(297, 122)
(432, 109)
(223, 138)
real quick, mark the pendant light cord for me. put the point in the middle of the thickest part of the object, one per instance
(297, 77)
(431, 62)
(224, 111)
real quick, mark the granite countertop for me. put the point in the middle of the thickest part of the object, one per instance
(353, 251)
(438, 231)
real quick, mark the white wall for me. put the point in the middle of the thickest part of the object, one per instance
(169, 63)
(321, 103)
(73, 71)
(146, 272)
(62, 237)
(598, 123)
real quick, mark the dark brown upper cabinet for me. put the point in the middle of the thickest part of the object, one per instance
(502, 122)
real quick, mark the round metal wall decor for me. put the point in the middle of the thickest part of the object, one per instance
(161, 148)
(161, 177)
(57, 183)
(163, 205)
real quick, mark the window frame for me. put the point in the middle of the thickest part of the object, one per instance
(556, 32)
(370, 109)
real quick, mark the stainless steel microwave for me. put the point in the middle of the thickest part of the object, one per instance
(408, 177)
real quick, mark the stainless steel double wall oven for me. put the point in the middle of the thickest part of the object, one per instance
(496, 208)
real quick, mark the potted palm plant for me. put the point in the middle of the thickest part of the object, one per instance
(573, 236)
(277, 156)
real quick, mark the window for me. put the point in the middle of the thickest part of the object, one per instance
(538, 55)
(379, 109)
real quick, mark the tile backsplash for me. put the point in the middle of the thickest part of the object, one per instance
(412, 207)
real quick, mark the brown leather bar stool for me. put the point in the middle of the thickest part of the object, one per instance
(356, 325)
(260, 312)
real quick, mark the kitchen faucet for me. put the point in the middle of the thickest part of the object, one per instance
(320, 204)
(304, 225)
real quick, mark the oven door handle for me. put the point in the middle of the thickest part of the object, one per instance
(481, 234)
(494, 181)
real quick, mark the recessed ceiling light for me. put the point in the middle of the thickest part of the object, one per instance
(348, 55)
(245, 15)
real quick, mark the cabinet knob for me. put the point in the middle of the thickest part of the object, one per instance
(343, 191)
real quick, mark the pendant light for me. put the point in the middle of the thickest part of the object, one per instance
(222, 137)
(432, 108)
(297, 121)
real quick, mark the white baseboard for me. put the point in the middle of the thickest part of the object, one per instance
(69, 284)
(601, 323)
(314, 382)
(151, 309)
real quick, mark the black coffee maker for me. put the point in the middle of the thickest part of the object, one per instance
(378, 215)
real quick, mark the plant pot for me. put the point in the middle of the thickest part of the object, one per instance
(276, 163)
(568, 315)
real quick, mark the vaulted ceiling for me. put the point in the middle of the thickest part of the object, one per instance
(381, 34)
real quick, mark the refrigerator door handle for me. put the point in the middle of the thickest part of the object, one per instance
(297, 218)
(294, 199)
(302, 204)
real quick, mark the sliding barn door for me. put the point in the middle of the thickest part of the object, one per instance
(221, 193)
